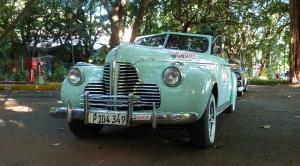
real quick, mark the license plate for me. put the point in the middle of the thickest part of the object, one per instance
(110, 119)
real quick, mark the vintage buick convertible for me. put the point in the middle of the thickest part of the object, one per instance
(163, 79)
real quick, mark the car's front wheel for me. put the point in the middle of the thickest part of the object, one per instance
(79, 129)
(203, 131)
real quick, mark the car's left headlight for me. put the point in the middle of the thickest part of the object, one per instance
(172, 76)
(75, 76)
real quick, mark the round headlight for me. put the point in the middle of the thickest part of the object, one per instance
(172, 76)
(75, 77)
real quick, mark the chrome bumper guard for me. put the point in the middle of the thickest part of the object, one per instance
(132, 116)
(240, 86)
(239, 89)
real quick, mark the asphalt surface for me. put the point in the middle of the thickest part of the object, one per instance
(264, 130)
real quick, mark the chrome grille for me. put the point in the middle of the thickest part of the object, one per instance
(128, 82)
(95, 88)
(106, 78)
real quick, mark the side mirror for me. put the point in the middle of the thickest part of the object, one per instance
(217, 45)
(217, 49)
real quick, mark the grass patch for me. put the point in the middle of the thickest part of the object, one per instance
(52, 86)
(267, 82)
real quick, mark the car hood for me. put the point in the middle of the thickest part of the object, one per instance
(130, 53)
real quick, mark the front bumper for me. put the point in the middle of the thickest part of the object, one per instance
(133, 117)
(161, 117)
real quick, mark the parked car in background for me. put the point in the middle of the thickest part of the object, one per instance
(174, 79)
(242, 80)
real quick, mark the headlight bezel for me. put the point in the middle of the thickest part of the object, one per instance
(180, 76)
(72, 73)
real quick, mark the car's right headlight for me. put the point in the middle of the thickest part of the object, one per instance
(172, 76)
(75, 76)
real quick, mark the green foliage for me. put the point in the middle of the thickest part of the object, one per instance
(257, 81)
(59, 73)
(6, 76)
(256, 31)
(20, 75)
(5, 65)
(100, 57)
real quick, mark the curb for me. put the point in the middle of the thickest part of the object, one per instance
(53, 86)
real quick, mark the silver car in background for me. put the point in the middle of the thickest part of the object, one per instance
(240, 71)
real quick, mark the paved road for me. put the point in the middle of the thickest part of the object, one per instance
(265, 130)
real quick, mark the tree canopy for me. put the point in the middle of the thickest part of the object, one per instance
(255, 31)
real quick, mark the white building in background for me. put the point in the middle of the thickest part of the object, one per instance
(255, 70)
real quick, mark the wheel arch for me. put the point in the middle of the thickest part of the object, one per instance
(215, 92)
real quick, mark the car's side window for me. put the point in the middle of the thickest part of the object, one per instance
(197, 44)
(176, 42)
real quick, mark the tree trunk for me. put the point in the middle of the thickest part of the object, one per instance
(117, 12)
(15, 57)
(261, 68)
(264, 63)
(185, 27)
(294, 59)
(139, 19)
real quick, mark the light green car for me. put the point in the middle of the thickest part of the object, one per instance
(163, 79)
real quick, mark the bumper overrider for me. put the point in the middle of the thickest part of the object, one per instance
(133, 117)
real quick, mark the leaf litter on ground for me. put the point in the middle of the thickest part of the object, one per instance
(266, 126)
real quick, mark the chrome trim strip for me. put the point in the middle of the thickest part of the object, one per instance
(149, 104)
(137, 90)
(128, 80)
(86, 102)
(93, 92)
(139, 85)
(96, 88)
(112, 77)
(108, 96)
(105, 100)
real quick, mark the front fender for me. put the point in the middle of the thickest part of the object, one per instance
(202, 82)
(191, 95)
(70, 92)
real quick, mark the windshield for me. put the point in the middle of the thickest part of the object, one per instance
(190, 43)
(179, 42)
(153, 41)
